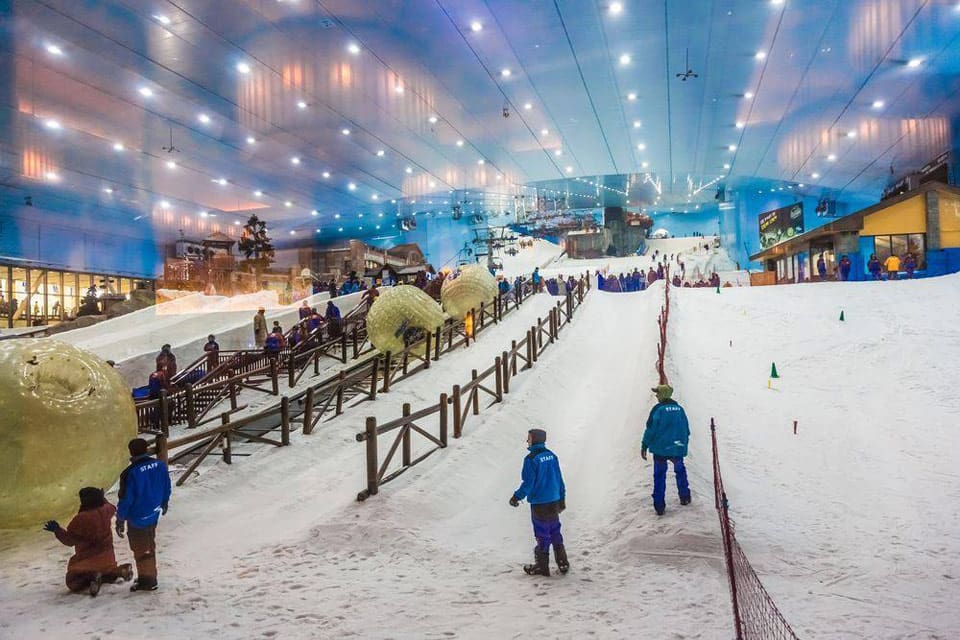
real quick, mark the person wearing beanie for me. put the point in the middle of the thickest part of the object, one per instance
(666, 437)
(144, 496)
(93, 562)
(542, 486)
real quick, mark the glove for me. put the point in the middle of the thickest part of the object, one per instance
(514, 501)
(163, 509)
(51, 526)
(643, 453)
(563, 504)
(119, 528)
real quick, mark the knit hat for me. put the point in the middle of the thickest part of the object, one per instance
(663, 391)
(91, 497)
(537, 436)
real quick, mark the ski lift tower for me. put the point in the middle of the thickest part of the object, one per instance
(489, 242)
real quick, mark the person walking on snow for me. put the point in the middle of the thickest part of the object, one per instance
(260, 327)
(144, 495)
(892, 264)
(666, 437)
(543, 488)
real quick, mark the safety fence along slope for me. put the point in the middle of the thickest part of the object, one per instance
(432, 423)
(662, 324)
(755, 614)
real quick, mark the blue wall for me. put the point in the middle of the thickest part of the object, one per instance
(440, 238)
(686, 224)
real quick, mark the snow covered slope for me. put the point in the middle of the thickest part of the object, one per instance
(854, 523)
(527, 259)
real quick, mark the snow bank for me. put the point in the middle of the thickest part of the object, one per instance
(539, 255)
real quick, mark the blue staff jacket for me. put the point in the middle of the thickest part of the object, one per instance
(542, 480)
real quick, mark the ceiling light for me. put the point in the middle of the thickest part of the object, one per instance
(162, 19)
(800, 185)
(378, 226)
(353, 48)
(146, 92)
(505, 73)
(760, 55)
(164, 204)
(107, 190)
(251, 140)
(913, 63)
(337, 216)
(432, 119)
(616, 8)
(732, 147)
(222, 182)
(243, 67)
(54, 49)
(527, 106)
(339, 228)
(851, 134)
(409, 169)
(380, 153)
(352, 186)
(318, 230)
(52, 124)
(314, 212)
(292, 232)
(204, 118)
(814, 175)
(624, 59)
(644, 165)
(726, 165)
(345, 131)
(398, 88)
(476, 25)
(171, 164)
(741, 124)
(380, 215)
(204, 214)
(748, 95)
(432, 183)
(877, 104)
(295, 160)
(832, 157)
(118, 146)
(258, 193)
(459, 143)
(480, 161)
(375, 197)
(544, 132)
(636, 124)
(237, 222)
(569, 169)
(326, 174)
(776, 2)
(288, 204)
(641, 146)
(301, 104)
(53, 177)
(631, 96)
(558, 152)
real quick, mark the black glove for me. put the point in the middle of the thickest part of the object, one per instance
(563, 504)
(643, 453)
(163, 509)
(119, 528)
(51, 526)
(514, 501)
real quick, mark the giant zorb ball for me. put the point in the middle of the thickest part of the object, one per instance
(473, 286)
(65, 420)
(401, 315)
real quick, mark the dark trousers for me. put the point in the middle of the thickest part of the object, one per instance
(144, 548)
(660, 480)
(547, 532)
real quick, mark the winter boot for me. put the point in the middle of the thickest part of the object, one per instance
(125, 571)
(542, 566)
(660, 510)
(685, 501)
(560, 555)
(136, 586)
(94, 587)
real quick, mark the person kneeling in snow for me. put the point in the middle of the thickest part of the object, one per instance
(89, 531)
(666, 436)
(543, 488)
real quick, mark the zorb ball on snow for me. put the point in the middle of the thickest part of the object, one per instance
(65, 420)
(401, 313)
(473, 286)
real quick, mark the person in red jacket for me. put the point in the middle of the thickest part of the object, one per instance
(89, 531)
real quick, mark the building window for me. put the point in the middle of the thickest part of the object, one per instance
(900, 245)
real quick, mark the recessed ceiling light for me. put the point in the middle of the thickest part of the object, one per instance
(641, 146)
(243, 67)
(164, 204)
(162, 19)
(544, 132)
(380, 215)
(353, 48)
(352, 186)
(644, 165)
(616, 8)
(146, 92)
(624, 59)
(459, 143)
(915, 62)
(258, 193)
(375, 197)
(237, 222)
(251, 140)
(204, 118)
(378, 226)
(726, 165)
(631, 96)
(204, 214)
(741, 124)
(637, 124)
(814, 175)
(222, 182)
(432, 119)
(318, 230)
(505, 73)
(398, 88)
(748, 95)
(409, 170)
(380, 153)
(760, 55)
(337, 216)
(800, 185)
(776, 2)
(345, 131)
(432, 183)
(118, 146)
(527, 106)
(569, 169)
(558, 152)
(476, 25)
(295, 160)
(339, 228)
(52, 124)
(877, 104)
(314, 212)
(832, 157)
(326, 174)
(301, 104)
(292, 232)
(732, 147)
(54, 49)
(288, 204)
(480, 161)
(107, 190)
(171, 164)
(851, 134)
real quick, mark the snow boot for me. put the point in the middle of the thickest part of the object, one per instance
(94, 587)
(125, 571)
(136, 586)
(685, 501)
(560, 555)
(542, 565)
(660, 510)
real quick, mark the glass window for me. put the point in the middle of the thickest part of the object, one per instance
(916, 244)
(898, 245)
(881, 246)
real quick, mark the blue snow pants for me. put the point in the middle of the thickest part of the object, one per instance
(547, 532)
(660, 480)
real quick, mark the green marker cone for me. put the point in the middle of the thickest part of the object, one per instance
(841, 316)
(773, 370)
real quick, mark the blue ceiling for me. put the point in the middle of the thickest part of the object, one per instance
(348, 107)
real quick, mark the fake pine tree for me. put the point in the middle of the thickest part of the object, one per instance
(256, 246)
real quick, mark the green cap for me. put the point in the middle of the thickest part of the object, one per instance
(663, 391)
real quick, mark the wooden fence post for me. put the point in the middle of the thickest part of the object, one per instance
(340, 377)
(162, 452)
(444, 411)
(457, 426)
(232, 388)
(225, 442)
(569, 306)
(343, 346)
(505, 364)
(285, 421)
(406, 435)
(164, 413)
(274, 379)
(308, 412)
(498, 376)
(474, 396)
(482, 318)
(356, 344)
(374, 374)
(513, 357)
(316, 363)
(291, 370)
(387, 367)
(438, 341)
(531, 348)
(372, 460)
(191, 408)
(426, 352)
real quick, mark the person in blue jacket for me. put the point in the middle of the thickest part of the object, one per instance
(666, 437)
(537, 280)
(543, 488)
(144, 496)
